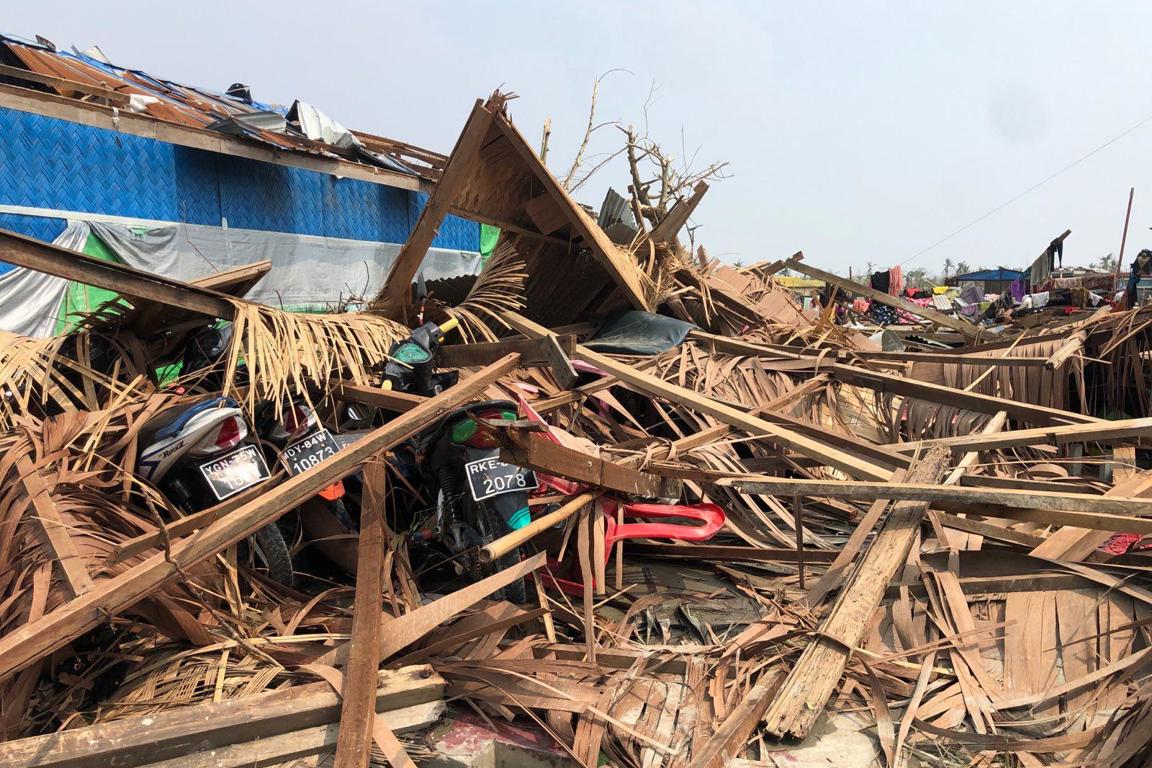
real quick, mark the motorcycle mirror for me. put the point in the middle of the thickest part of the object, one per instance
(421, 287)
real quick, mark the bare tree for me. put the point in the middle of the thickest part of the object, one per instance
(658, 179)
(570, 181)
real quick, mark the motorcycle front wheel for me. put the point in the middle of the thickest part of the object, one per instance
(491, 528)
(273, 550)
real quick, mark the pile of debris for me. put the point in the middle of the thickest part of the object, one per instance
(621, 505)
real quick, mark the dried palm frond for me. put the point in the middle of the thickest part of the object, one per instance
(277, 355)
(498, 289)
(57, 374)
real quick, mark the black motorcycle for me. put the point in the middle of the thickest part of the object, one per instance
(477, 498)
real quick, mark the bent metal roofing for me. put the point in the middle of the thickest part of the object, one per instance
(40, 71)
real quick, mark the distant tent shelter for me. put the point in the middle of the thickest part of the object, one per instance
(993, 280)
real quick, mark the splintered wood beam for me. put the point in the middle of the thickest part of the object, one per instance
(938, 393)
(656, 387)
(955, 323)
(737, 727)
(1094, 432)
(399, 281)
(407, 629)
(798, 703)
(31, 253)
(55, 532)
(388, 399)
(668, 227)
(357, 710)
(534, 451)
(34, 640)
(558, 361)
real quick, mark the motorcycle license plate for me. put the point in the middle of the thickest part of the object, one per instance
(301, 456)
(232, 473)
(492, 477)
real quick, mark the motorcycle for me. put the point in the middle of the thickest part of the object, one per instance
(296, 438)
(201, 454)
(478, 498)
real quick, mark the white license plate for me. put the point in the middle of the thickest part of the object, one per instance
(311, 451)
(230, 474)
(492, 477)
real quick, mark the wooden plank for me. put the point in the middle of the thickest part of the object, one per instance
(65, 86)
(532, 352)
(657, 387)
(736, 554)
(1095, 432)
(811, 681)
(943, 495)
(989, 530)
(668, 227)
(938, 393)
(234, 282)
(402, 631)
(147, 126)
(534, 451)
(51, 259)
(292, 748)
(168, 734)
(956, 324)
(835, 574)
(562, 369)
(35, 639)
(995, 481)
(947, 358)
(388, 399)
(184, 526)
(56, 535)
(399, 281)
(385, 739)
(357, 710)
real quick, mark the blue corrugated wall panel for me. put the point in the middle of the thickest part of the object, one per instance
(51, 163)
(33, 226)
(455, 232)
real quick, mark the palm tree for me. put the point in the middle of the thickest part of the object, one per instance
(948, 265)
(962, 268)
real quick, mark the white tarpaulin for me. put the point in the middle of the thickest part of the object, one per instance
(308, 272)
(30, 300)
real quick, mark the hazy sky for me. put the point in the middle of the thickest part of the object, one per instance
(856, 131)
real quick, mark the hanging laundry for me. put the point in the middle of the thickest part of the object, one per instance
(1018, 288)
(880, 281)
(1041, 269)
(895, 280)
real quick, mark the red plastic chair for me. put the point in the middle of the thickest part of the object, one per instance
(710, 516)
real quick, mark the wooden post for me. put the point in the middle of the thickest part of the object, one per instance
(399, 280)
(358, 692)
(813, 678)
(1124, 237)
(798, 512)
